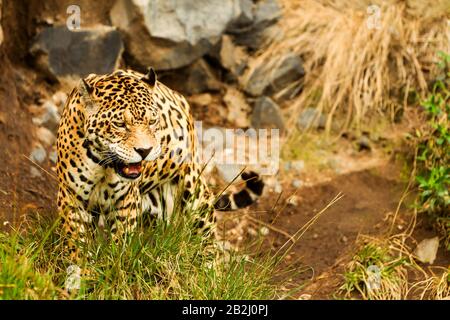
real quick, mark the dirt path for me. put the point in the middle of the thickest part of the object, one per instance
(368, 197)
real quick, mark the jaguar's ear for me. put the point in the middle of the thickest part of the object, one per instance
(85, 93)
(150, 78)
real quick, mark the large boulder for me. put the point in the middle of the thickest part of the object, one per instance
(64, 53)
(243, 16)
(272, 76)
(201, 78)
(172, 34)
(255, 31)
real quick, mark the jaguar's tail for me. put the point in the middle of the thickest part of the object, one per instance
(253, 190)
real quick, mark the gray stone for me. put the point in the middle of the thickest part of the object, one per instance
(59, 99)
(243, 16)
(427, 249)
(267, 11)
(35, 172)
(201, 78)
(265, 14)
(255, 39)
(172, 34)
(38, 154)
(272, 76)
(311, 118)
(45, 136)
(297, 183)
(61, 52)
(364, 143)
(267, 114)
(46, 115)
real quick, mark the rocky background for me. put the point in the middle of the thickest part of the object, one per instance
(204, 49)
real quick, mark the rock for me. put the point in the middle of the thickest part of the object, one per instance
(46, 115)
(238, 108)
(201, 78)
(172, 34)
(297, 183)
(311, 118)
(293, 200)
(60, 52)
(427, 249)
(364, 143)
(243, 16)
(266, 113)
(38, 154)
(252, 232)
(45, 136)
(265, 14)
(59, 99)
(232, 57)
(254, 39)
(269, 77)
(264, 231)
(35, 172)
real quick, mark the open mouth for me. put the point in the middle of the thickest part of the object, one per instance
(129, 170)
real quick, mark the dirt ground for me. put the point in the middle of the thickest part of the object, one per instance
(370, 198)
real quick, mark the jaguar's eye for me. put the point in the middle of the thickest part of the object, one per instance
(152, 122)
(119, 124)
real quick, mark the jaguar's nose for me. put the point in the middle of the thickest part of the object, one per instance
(143, 152)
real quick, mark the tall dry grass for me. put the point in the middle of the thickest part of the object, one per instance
(359, 64)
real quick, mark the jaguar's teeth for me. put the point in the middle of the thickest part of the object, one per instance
(126, 170)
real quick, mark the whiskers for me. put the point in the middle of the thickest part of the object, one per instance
(108, 157)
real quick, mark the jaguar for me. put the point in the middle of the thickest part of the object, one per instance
(126, 145)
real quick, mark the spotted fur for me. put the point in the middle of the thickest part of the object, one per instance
(126, 143)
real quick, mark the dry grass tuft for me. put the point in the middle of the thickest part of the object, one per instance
(353, 71)
(436, 287)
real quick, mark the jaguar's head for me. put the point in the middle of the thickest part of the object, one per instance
(122, 122)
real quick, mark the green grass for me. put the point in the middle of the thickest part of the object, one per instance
(433, 153)
(167, 261)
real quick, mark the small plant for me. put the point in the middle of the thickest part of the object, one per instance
(378, 271)
(433, 160)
